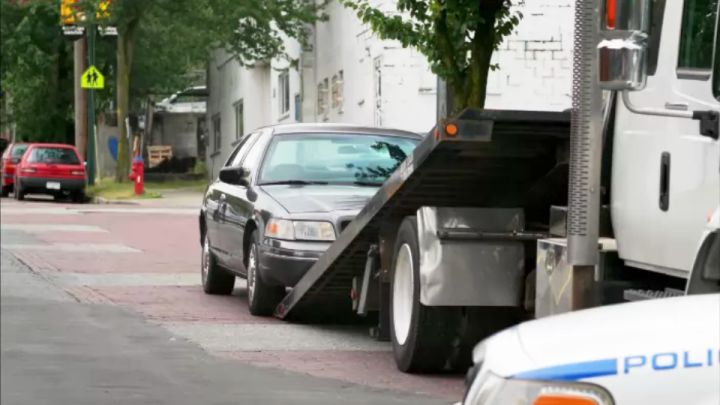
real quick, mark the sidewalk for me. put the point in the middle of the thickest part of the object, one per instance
(179, 198)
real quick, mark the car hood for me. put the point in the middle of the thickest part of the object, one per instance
(614, 332)
(320, 198)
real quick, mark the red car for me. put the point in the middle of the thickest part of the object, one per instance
(10, 158)
(54, 169)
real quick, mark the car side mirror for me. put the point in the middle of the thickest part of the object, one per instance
(622, 51)
(234, 175)
(85, 164)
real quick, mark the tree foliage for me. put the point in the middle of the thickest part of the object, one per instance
(160, 41)
(36, 71)
(458, 37)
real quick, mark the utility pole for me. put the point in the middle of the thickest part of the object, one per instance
(91, 32)
(81, 119)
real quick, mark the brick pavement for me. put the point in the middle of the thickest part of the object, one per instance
(157, 275)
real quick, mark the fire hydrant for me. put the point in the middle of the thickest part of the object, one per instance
(137, 175)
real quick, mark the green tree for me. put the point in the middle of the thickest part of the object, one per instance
(163, 39)
(458, 37)
(36, 70)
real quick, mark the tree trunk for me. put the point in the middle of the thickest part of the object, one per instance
(124, 66)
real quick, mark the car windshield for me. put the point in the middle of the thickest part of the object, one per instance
(334, 158)
(53, 155)
(18, 150)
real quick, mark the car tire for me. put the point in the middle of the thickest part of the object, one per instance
(215, 279)
(422, 337)
(79, 197)
(262, 297)
(5, 191)
(19, 193)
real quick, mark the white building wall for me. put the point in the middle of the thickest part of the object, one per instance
(382, 83)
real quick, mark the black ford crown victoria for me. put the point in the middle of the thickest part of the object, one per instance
(284, 195)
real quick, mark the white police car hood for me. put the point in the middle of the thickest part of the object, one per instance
(671, 339)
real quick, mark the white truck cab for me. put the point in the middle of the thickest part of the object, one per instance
(666, 173)
(648, 352)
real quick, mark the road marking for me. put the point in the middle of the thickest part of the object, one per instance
(126, 279)
(37, 228)
(37, 211)
(73, 247)
(281, 336)
(79, 211)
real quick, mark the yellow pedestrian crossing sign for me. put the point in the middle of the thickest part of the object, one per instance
(92, 79)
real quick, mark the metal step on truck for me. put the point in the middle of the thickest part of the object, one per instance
(502, 215)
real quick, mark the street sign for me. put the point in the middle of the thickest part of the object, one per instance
(92, 79)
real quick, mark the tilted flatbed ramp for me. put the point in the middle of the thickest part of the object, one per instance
(493, 160)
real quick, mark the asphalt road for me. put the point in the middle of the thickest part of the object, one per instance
(58, 351)
(101, 304)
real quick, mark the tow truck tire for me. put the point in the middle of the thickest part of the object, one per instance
(215, 280)
(422, 336)
(262, 298)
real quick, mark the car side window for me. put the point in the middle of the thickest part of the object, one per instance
(248, 142)
(697, 37)
(255, 154)
(239, 150)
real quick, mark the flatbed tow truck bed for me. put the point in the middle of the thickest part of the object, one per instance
(494, 160)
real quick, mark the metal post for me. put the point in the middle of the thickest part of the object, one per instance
(91, 109)
(81, 120)
(585, 140)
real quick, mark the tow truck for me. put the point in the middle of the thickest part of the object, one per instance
(499, 216)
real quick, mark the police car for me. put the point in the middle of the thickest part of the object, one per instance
(663, 351)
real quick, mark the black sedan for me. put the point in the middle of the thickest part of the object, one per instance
(284, 195)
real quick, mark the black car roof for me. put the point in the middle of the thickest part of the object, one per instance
(339, 128)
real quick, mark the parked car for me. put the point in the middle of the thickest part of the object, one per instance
(661, 351)
(10, 158)
(285, 193)
(53, 169)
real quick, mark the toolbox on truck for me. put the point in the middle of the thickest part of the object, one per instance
(487, 159)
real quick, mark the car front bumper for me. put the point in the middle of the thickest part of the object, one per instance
(284, 263)
(39, 185)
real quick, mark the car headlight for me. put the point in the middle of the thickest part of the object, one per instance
(300, 230)
(489, 389)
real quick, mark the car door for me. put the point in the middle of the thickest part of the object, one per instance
(665, 171)
(214, 209)
(241, 202)
(227, 224)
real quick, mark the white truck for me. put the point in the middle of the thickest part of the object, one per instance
(502, 215)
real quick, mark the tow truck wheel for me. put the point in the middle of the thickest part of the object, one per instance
(422, 336)
(215, 280)
(262, 298)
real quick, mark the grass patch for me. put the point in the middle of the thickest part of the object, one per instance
(110, 190)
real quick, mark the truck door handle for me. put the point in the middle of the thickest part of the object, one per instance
(665, 181)
(677, 106)
(223, 197)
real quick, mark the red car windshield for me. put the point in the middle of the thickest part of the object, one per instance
(53, 155)
(18, 150)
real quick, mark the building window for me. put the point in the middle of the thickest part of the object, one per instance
(322, 98)
(298, 108)
(284, 91)
(337, 91)
(239, 120)
(217, 138)
(696, 38)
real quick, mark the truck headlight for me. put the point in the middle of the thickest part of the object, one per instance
(300, 230)
(489, 389)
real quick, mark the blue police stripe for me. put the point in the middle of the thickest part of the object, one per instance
(572, 371)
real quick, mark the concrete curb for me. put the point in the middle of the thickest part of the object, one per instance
(101, 200)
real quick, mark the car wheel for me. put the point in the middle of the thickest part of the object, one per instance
(215, 280)
(422, 336)
(78, 196)
(262, 298)
(19, 193)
